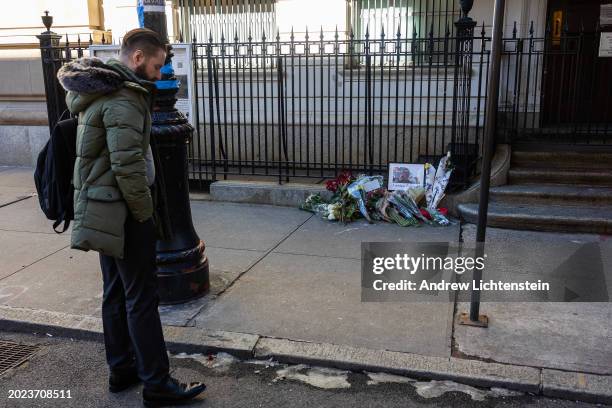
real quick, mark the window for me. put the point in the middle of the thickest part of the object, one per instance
(409, 16)
(230, 18)
(422, 26)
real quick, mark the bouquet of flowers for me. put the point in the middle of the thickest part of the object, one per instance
(360, 188)
(366, 197)
(315, 204)
(436, 192)
(385, 211)
(405, 204)
(342, 206)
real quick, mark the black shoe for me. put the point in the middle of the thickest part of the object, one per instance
(121, 381)
(171, 392)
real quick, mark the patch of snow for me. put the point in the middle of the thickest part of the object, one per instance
(380, 378)
(434, 389)
(220, 361)
(267, 363)
(320, 377)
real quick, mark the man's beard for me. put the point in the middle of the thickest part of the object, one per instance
(141, 73)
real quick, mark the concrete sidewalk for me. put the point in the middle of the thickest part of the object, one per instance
(286, 284)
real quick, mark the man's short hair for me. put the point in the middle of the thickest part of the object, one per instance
(148, 41)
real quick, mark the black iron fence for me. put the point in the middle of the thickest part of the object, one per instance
(313, 106)
(556, 89)
(310, 107)
(55, 51)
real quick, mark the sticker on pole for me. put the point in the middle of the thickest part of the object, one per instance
(605, 45)
(154, 6)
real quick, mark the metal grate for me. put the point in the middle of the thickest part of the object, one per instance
(13, 354)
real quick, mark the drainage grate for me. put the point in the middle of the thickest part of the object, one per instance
(13, 354)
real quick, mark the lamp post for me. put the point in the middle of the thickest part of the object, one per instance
(182, 266)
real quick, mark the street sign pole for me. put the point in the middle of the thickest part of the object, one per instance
(475, 318)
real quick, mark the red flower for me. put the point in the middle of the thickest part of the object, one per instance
(344, 178)
(331, 185)
(425, 213)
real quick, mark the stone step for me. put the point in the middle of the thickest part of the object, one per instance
(552, 194)
(595, 220)
(562, 159)
(590, 177)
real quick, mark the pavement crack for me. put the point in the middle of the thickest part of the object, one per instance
(19, 199)
(317, 256)
(28, 232)
(268, 252)
(35, 262)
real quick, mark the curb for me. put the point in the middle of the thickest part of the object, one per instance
(547, 382)
(265, 192)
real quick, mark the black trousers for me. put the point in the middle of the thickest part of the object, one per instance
(133, 335)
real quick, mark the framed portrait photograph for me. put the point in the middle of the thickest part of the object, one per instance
(403, 176)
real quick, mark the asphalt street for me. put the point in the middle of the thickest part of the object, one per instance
(79, 366)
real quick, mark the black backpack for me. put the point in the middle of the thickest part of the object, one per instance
(53, 174)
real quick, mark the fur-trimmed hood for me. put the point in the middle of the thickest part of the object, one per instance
(89, 75)
(86, 79)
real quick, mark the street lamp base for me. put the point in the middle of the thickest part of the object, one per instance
(182, 275)
(464, 319)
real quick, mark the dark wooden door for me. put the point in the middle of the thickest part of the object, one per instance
(577, 83)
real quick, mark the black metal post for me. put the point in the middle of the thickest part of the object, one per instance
(51, 57)
(475, 318)
(182, 266)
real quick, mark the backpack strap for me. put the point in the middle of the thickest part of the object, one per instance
(58, 222)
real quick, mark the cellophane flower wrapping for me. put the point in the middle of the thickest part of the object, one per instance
(359, 190)
(441, 179)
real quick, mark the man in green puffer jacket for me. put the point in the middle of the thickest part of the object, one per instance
(114, 212)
